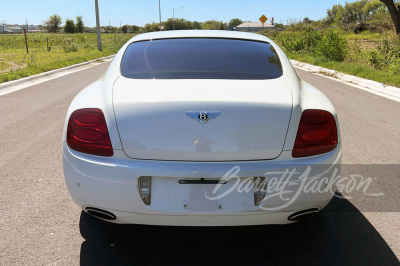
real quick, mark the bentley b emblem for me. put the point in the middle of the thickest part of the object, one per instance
(202, 117)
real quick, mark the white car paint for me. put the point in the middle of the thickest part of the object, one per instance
(248, 128)
(111, 183)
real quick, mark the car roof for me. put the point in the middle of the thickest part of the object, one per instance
(200, 34)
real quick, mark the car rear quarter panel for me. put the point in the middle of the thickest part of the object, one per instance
(305, 98)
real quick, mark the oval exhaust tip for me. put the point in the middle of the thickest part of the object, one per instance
(303, 215)
(99, 213)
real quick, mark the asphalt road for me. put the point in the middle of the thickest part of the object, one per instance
(41, 225)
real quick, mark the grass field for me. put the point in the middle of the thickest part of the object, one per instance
(66, 50)
(357, 69)
(374, 56)
(369, 55)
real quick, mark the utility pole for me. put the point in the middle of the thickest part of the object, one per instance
(159, 11)
(27, 25)
(98, 25)
(173, 16)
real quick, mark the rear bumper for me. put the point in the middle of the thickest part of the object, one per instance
(204, 219)
(111, 184)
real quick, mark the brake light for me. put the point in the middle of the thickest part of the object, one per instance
(317, 134)
(87, 132)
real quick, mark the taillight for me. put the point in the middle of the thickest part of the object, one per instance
(317, 134)
(87, 132)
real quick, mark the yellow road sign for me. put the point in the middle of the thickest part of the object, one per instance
(263, 19)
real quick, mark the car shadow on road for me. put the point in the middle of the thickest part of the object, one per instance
(338, 235)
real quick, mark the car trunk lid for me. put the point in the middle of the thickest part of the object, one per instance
(154, 121)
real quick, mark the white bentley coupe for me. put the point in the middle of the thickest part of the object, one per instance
(201, 128)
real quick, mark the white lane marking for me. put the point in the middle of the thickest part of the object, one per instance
(36, 81)
(389, 92)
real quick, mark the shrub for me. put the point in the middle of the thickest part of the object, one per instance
(306, 41)
(70, 47)
(386, 57)
(273, 34)
(333, 46)
(312, 40)
(375, 60)
(394, 67)
(301, 27)
(293, 44)
(87, 46)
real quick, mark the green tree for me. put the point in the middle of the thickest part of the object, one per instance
(197, 25)
(69, 26)
(372, 7)
(124, 29)
(333, 12)
(221, 26)
(360, 11)
(211, 25)
(339, 14)
(147, 27)
(154, 26)
(235, 22)
(135, 29)
(353, 12)
(169, 24)
(180, 24)
(109, 29)
(188, 25)
(394, 13)
(79, 25)
(53, 23)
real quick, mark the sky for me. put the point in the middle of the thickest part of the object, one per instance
(136, 12)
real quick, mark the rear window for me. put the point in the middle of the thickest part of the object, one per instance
(200, 58)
